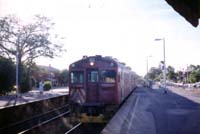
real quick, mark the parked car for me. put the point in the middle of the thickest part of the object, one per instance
(197, 85)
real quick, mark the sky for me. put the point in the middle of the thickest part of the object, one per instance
(123, 29)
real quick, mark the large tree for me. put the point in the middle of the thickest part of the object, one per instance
(30, 40)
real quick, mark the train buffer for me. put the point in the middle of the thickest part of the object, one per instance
(149, 111)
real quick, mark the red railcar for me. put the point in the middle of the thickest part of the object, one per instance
(98, 82)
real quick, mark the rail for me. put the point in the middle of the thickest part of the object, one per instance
(73, 128)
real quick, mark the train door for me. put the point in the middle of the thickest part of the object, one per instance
(92, 85)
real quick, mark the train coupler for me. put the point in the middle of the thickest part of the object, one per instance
(84, 118)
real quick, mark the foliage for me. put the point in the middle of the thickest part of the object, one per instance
(63, 77)
(154, 74)
(33, 82)
(7, 75)
(25, 80)
(180, 76)
(47, 85)
(194, 76)
(31, 40)
(191, 74)
(171, 75)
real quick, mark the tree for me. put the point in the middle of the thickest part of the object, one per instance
(171, 75)
(194, 76)
(154, 74)
(63, 77)
(191, 68)
(31, 40)
(7, 75)
(180, 76)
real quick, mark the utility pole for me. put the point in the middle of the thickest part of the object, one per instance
(164, 73)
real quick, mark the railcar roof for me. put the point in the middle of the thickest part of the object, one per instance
(106, 58)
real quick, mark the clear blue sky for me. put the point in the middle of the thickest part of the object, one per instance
(124, 29)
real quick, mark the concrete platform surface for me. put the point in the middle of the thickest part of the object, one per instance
(31, 96)
(151, 111)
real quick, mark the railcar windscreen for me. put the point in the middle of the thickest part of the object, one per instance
(93, 76)
(76, 77)
(108, 76)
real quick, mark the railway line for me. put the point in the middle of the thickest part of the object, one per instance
(86, 128)
(25, 126)
(73, 128)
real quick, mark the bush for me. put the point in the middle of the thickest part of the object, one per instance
(47, 85)
(7, 75)
(24, 84)
(24, 79)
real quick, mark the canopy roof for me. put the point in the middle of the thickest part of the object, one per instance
(189, 9)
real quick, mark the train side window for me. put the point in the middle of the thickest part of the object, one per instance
(108, 76)
(93, 76)
(76, 77)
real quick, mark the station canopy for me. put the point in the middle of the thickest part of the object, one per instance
(189, 9)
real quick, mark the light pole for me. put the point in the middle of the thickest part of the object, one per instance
(17, 72)
(164, 74)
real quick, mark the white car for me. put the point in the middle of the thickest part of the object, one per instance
(197, 84)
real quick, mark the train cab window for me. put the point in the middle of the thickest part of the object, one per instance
(76, 77)
(93, 76)
(108, 76)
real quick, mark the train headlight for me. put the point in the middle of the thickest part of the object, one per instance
(91, 60)
(91, 63)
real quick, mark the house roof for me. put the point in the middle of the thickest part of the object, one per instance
(48, 68)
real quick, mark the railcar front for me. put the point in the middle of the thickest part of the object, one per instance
(93, 86)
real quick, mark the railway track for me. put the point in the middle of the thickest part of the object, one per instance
(36, 121)
(73, 128)
(82, 128)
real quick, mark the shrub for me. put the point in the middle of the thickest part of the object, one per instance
(7, 75)
(24, 79)
(24, 84)
(47, 85)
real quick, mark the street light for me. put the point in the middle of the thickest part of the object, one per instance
(164, 74)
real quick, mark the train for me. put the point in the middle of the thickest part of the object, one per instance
(98, 85)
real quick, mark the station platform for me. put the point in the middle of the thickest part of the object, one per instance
(151, 111)
(31, 96)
